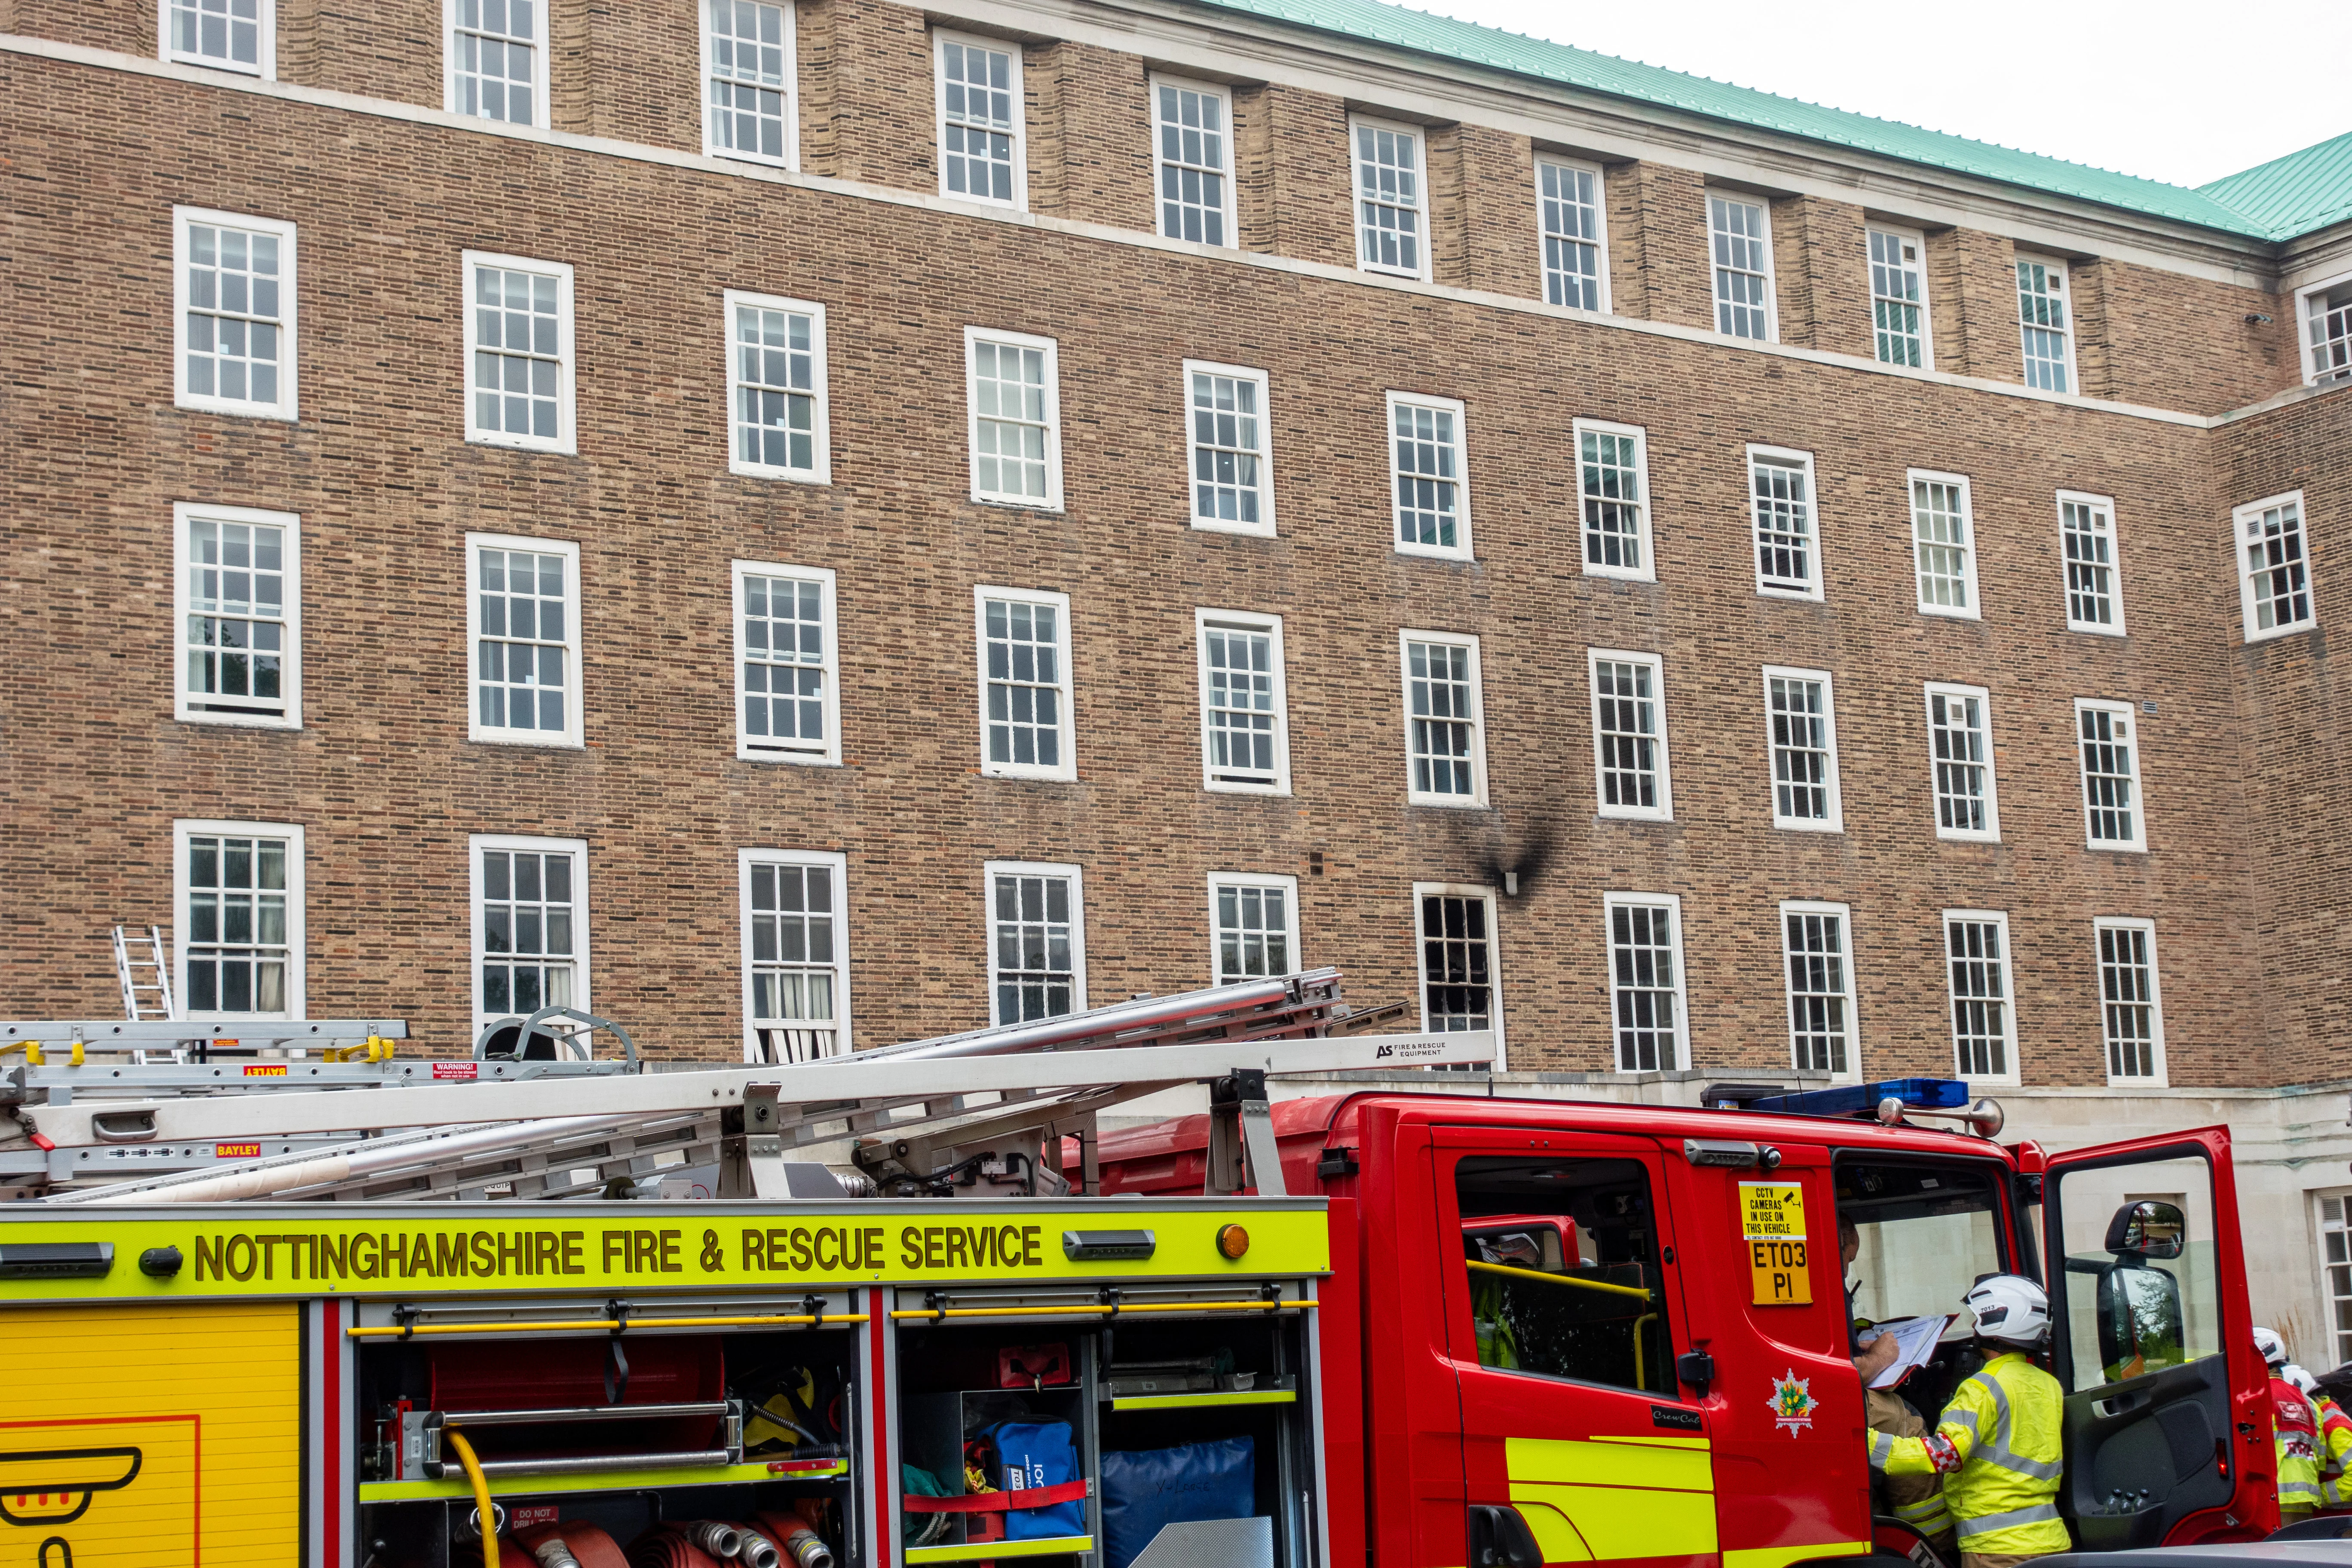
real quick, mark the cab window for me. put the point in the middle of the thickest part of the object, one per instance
(1927, 1233)
(2142, 1291)
(1561, 1256)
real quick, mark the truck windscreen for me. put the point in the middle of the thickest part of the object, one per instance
(1925, 1234)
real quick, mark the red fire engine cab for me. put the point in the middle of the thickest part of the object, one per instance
(1570, 1332)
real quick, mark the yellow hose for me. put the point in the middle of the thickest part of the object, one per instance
(485, 1511)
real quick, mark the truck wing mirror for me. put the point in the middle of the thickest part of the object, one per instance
(2147, 1229)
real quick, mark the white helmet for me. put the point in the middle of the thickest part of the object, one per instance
(2300, 1379)
(2272, 1348)
(2009, 1308)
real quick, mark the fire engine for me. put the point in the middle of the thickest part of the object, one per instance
(549, 1307)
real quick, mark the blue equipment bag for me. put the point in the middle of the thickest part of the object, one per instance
(1143, 1490)
(1031, 1454)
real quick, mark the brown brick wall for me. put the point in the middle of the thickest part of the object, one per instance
(388, 786)
(2172, 341)
(125, 24)
(1090, 151)
(868, 107)
(2294, 723)
(1482, 220)
(1295, 177)
(1972, 304)
(867, 113)
(1658, 266)
(630, 72)
(1823, 274)
(391, 49)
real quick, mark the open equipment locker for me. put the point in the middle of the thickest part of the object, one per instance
(302, 1342)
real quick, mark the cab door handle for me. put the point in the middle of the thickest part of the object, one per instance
(1499, 1537)
(1695, 1368)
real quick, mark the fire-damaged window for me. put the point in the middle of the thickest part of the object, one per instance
(1562, 1257)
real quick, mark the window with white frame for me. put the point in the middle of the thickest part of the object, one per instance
(234, 348)
(1015, 419)
(1233, 469)
(522, 624)
(1037, 942)
(1245, 731)
(1899, 298)
(1194, 148)
(748, 110)
(1612, 468)
(1943, 544)
(2335, 1243)
(2131, 1009)
(1629, 735)
(2326, 320)
(1390, 207)
(1445, 743)
(2113, 815)
(530, 924)
(1646, 1001)
(228, 35)
(982, 145)
(787, 664)
(497, 55)
(1575, 232)
(2273, 584)
(776, 388)
(795, 954)
(1801, 730)
(1025, 684)
(2044, 326)
(1960, 753)
(1430, 467)
(1255, 922)
(240, 616)
(1821, 987)
(1984, 1028)
(1780, 500)
(237, 918)
(1455, 928)
(519, 354)
(1741, 236)
(2086, 534)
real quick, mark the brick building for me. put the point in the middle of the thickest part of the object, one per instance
(808, 525)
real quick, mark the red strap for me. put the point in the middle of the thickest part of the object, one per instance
(998, 1502)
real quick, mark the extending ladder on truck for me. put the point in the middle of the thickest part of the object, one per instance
(129, 960)
(987, 1110)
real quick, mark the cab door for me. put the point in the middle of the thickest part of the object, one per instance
(2168, 1429)
(1564, 1354)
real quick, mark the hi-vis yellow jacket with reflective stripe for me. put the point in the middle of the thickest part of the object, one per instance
(2298, 1446)
(2336, 1437)
(2004, 1424)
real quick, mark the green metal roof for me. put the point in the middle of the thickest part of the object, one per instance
(2263, 207)
(2294, 194)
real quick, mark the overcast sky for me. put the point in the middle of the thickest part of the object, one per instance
(2176, 93)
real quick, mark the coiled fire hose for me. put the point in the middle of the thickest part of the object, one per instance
(572, 1546)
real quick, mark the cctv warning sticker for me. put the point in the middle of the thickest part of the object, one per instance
(146, 1438)
(1772, 1225)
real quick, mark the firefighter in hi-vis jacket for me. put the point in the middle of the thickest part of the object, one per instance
(2334, 1437)
(2298, 1424)
(1916, 1501)
(1997, 1443)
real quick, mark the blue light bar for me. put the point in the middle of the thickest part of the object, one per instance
(1862, 1098)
